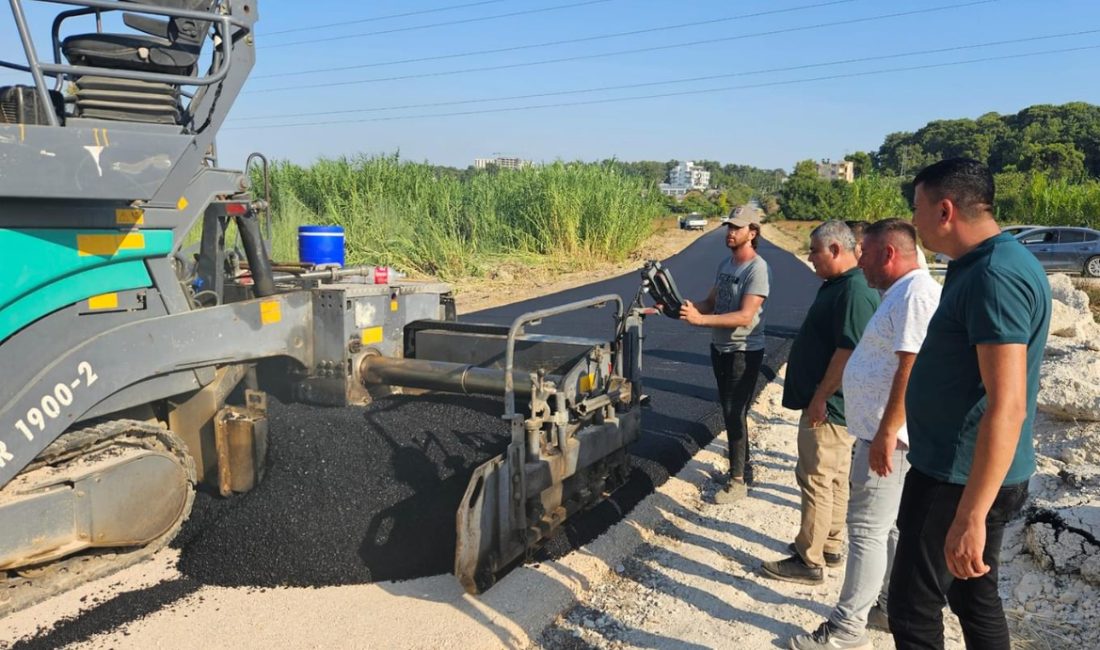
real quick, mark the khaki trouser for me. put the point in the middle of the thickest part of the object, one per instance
(824, 460)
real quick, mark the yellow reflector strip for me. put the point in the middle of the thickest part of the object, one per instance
(271, 311)
(182, 204)
(587, 382)
(393, 305)
(371, 335)
(103, 301)
(129, 216)
(108, 245)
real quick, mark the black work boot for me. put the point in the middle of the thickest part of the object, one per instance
(832, 560)
(793, 569)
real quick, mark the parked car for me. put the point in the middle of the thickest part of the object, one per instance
(1074, 250)
(1017, 230)
(940, 258)
(693, 221)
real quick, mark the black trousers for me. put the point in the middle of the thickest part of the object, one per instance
(736, 373)
(921, 581)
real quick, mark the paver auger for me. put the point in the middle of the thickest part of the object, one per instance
(135, 366)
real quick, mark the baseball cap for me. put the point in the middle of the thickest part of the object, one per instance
(742, 219)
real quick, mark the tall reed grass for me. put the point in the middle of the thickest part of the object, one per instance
(1037, 199)
(407, 215)
(872, 198)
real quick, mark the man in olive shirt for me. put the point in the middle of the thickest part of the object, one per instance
(815, 367)
(970, 404)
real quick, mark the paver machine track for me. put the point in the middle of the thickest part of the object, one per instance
(119, 492)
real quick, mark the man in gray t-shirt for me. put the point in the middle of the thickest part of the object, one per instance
(733, 282)
(734, 310)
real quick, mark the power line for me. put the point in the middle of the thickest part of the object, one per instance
(464, 21)
(680, 80)
(386, 17)
(786, 30)
(559, 42)
(769, 84)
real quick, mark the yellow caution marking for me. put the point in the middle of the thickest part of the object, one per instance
(108, 245)
(129, 216)
(103, 301)
(271, 311)
(588, 382)
(393, 304)
(182, 204)
(371, 335)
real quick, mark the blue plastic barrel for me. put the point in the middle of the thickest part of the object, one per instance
(320, 245)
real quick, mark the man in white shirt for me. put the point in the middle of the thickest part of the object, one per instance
(874, 383)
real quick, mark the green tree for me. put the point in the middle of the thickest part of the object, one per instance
(806, 196)
(1058, 160)
(863, 163)
(695, 201)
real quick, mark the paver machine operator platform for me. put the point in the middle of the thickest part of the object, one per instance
(136, 366)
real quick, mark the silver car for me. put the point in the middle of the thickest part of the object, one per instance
(1073, 250)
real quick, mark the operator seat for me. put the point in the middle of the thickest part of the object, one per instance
(171, 46)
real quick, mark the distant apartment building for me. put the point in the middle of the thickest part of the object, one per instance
(844, 170)
(501, 162)
(685, 177)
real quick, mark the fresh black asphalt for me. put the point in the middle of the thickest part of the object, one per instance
(358, 495)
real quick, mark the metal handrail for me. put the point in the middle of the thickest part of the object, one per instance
(32, 60)
(37, 68)
(520, 321)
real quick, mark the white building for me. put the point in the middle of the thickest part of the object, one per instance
(685, 177)
(844, 170)
(501, 162)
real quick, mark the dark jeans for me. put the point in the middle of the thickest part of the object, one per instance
(736, 374)
(921, 581)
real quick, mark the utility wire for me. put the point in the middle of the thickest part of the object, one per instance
(464, 21)
(679, 80)
(785, 30)
(684, 93)
(586, 39)
(386, 17)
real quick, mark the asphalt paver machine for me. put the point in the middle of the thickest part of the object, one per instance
(137, 355)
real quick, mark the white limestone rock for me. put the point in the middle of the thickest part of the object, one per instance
(1070, 386)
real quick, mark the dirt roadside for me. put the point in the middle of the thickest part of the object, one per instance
(512, 282)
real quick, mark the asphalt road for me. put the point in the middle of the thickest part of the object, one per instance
(360, 495)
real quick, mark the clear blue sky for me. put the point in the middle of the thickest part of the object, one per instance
(765, 126)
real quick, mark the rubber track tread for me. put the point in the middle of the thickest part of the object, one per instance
(18, 592)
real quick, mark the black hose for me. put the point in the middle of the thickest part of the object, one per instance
(258, 263)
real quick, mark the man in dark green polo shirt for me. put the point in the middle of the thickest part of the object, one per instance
(815, 367)
(969, 407)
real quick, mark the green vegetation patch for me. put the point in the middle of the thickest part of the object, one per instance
(1045, 160)
(414, 217)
